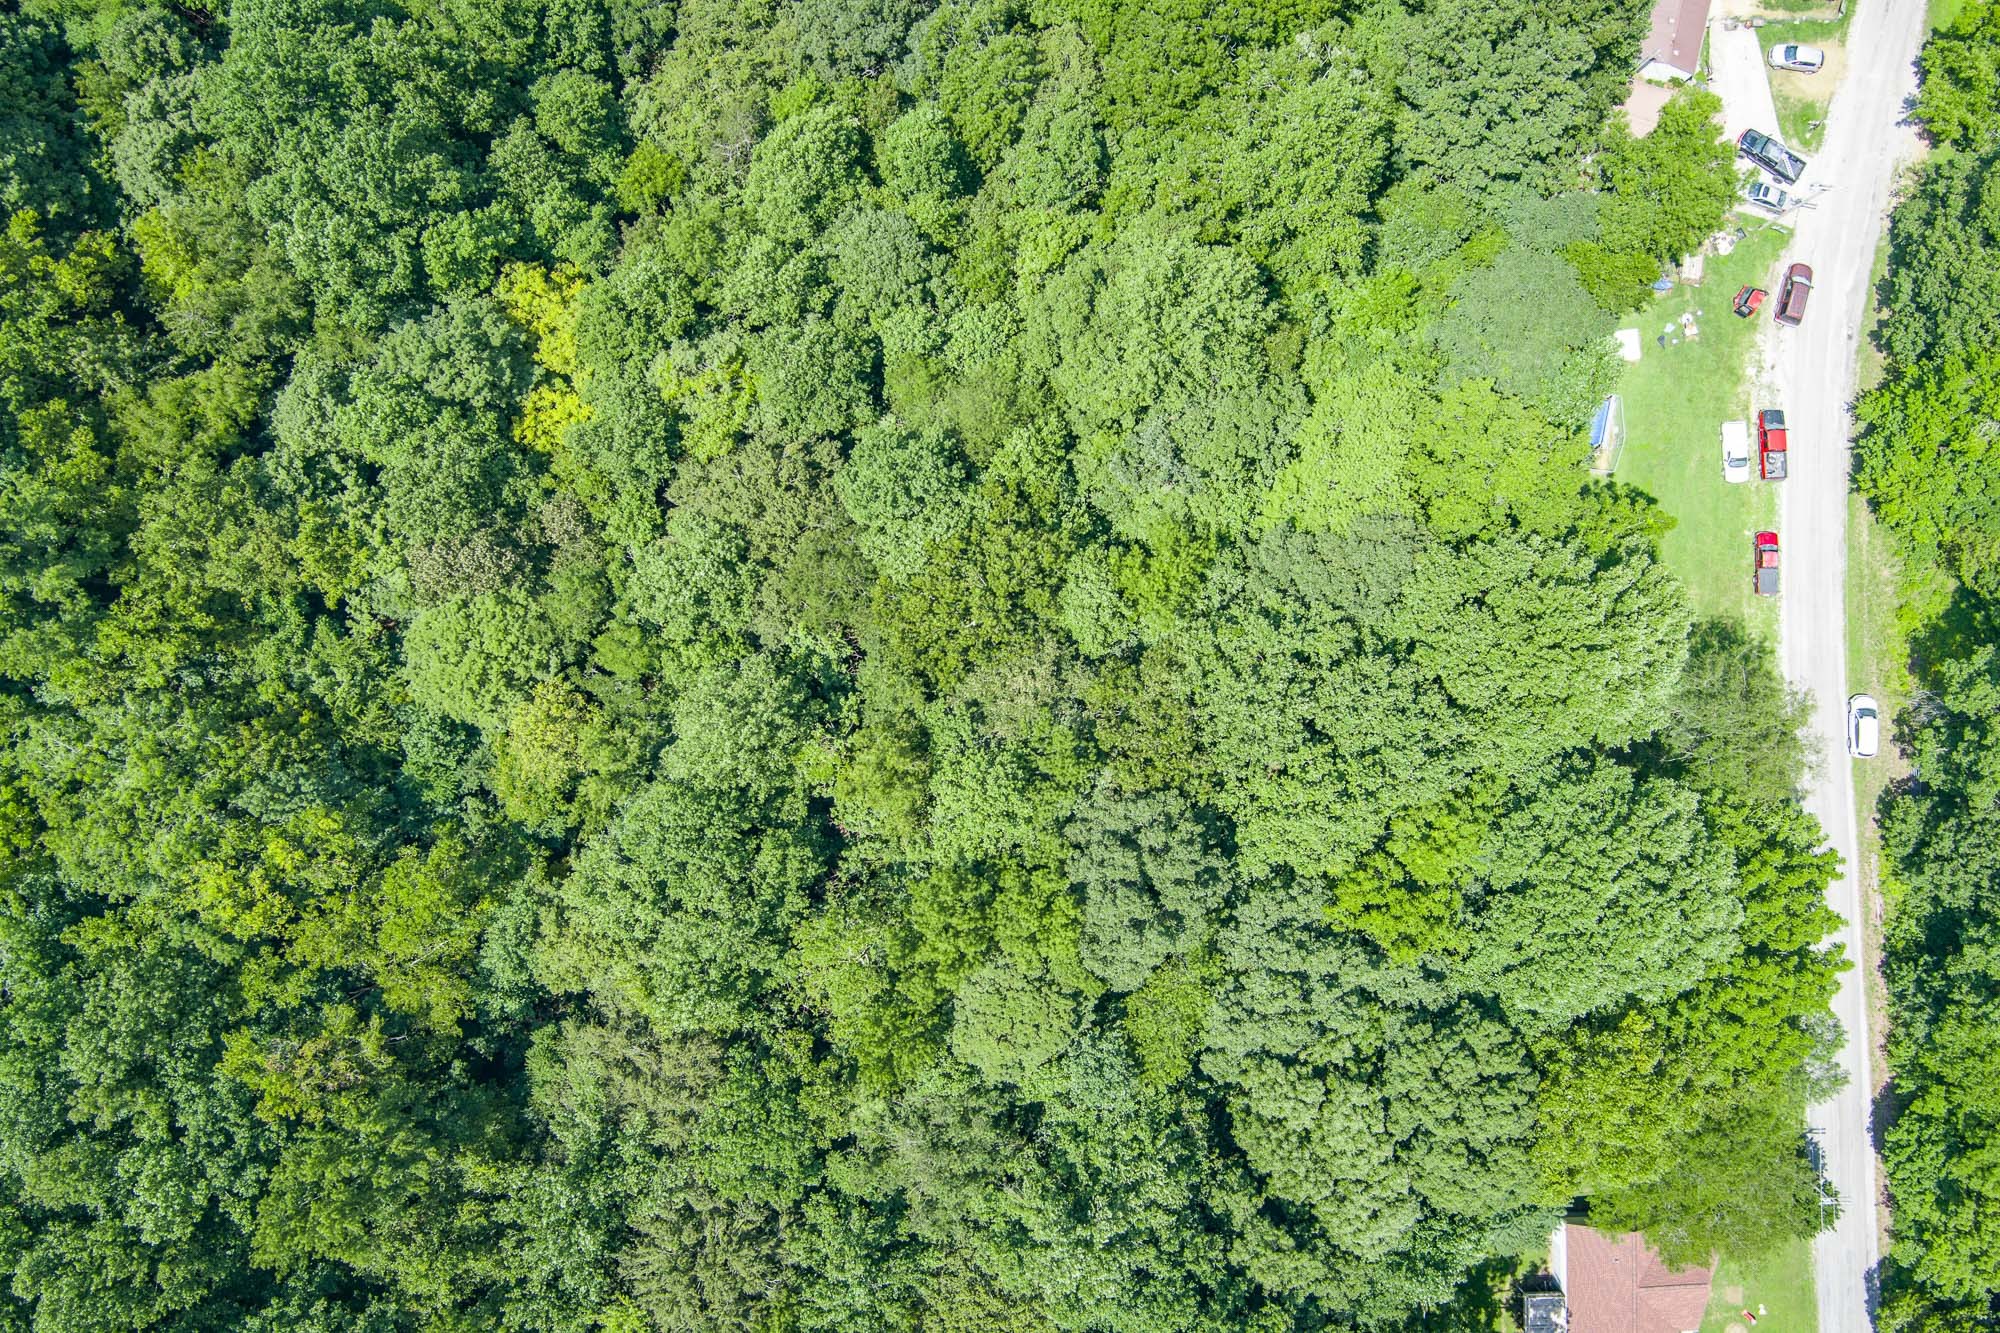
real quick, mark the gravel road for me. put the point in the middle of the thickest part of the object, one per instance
(1812, 370)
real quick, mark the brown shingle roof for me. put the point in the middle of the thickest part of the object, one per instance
(1676, 33)
(1616, 1284)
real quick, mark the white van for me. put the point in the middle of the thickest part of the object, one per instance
(1864, 726)
(1736, 451)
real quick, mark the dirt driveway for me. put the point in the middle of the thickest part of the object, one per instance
(1736, 74)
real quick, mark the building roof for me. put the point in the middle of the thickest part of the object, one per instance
(1617, 1284)
(1675, 36)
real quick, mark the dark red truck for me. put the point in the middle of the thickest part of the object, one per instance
(1771, 454)
(1792, 296)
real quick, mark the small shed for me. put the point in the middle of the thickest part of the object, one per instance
(1544, 1312)
(1607, 435)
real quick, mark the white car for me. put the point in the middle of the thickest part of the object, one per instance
(1864, 726)
(1736, 451)
(1798, 59)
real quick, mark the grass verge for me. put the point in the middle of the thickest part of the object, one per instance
(1878, 663)
(1676, 398)
(1781, 1284)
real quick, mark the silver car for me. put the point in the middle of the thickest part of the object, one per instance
(1798, 59)
(1764, 195)
(1864, 726)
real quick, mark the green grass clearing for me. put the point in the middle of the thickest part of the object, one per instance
(1675, 399)
(1781, 1282)
(1942, 12)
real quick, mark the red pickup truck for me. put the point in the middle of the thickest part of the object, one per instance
(1792, 296)
(1764, 564)
(1771, 453)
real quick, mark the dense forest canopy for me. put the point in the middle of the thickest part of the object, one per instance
(860, 664)
(1927, 466)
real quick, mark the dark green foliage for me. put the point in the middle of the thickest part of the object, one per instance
(855, 666)
(44, 151)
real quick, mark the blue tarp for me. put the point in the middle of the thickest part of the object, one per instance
(1600, 422)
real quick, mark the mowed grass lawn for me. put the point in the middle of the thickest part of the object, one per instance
(1781, 1282)
(1676, 399)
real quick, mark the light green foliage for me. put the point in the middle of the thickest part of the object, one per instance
(803, 172)
(861, 665)
(1654, 879)
(905, 491)
(65, 505)
(542, 753)
(1961, 71)
(1007, 1025)
(472, 659)
(1300, 197)
(919, 157)
(1526, 323)
(1668, 191)
(1156, 317)
(1928, 463)
(1926, 466)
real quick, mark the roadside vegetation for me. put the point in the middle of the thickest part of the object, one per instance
(862, 665)
(1926, 465)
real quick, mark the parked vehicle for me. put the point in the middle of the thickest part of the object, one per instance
(1748, 299)
(1864, 726)
(1771, 454)
(1763, 195)
(1735, 451)
(1764, 564)
(1792, 296)
(1772, 155)
(1798, 59)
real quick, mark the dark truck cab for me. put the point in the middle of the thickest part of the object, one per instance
(1792, 296)
(1771, 442)
(1772, 155)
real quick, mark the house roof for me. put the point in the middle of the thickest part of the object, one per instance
(1617, 1284)
(1675, 36)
